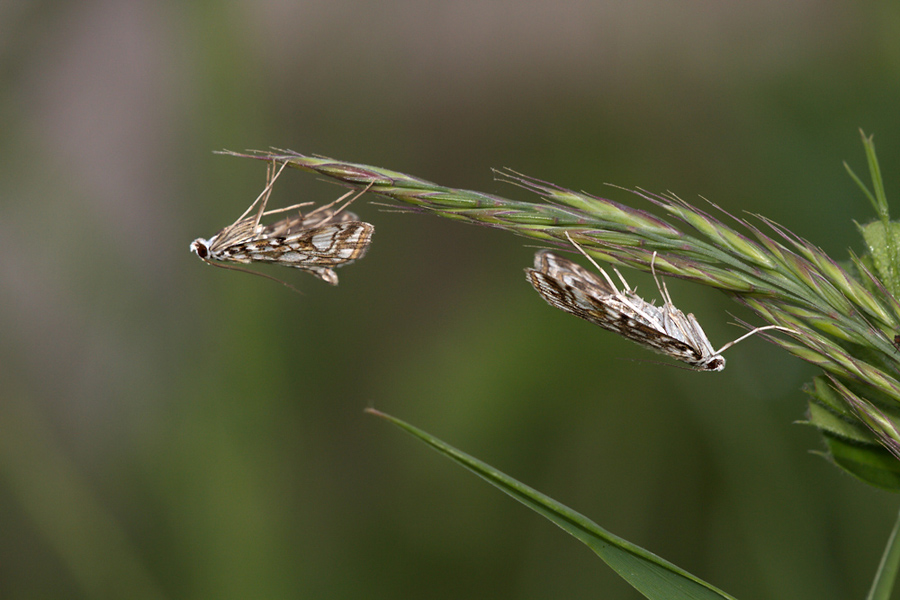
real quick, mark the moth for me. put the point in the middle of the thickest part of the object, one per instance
(664, 329)
(316, 242)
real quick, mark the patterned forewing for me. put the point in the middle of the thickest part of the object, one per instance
(236, 233)
(569, 287)
(313, 220)
(328, 246)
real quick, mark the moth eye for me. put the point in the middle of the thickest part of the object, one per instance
(716, 364)
(200, 248)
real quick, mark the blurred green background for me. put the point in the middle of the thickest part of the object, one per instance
(168, 430)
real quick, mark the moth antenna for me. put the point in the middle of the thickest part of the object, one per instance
(257, 273)
(657, 362)
(749, 333)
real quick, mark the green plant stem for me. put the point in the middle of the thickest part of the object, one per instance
(844, 321)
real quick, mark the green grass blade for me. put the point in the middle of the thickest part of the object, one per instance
(865, 190)
(879, 198)
(875, 173)
(652, 576)
(887, 569)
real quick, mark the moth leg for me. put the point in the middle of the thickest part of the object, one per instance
(338, 211)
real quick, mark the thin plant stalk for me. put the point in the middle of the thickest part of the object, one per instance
(842, 319)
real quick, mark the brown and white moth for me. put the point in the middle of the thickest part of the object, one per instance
(316, 242)
(664, 329)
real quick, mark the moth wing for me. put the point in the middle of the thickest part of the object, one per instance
(571, 288)
(331, 245)
(328, 217)
(562, 288)
(570, 273)
(327, 246)
(237, 233)
(300, 223)
(324, 273)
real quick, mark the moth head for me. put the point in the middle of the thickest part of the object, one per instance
(200, 247)
(713, 363)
